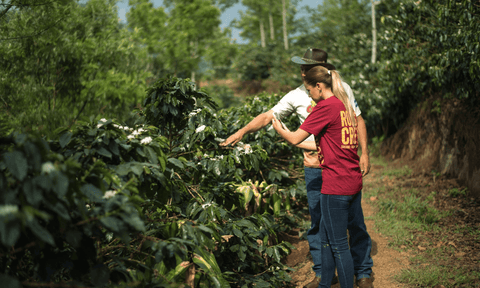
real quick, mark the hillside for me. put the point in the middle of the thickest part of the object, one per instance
(440, 137)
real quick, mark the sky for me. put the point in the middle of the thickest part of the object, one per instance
(226, 17)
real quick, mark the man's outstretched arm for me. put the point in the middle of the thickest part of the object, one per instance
(256, 124)
(362, 140)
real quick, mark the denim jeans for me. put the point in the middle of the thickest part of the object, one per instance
(313, 180)
(338, 214)
(360, 242)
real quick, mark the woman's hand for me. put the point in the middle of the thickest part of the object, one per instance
(276, 124)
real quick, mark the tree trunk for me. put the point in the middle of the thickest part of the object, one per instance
(284, 14)
(374, 33)
(272, 29)
(262, 35)
(194, 55)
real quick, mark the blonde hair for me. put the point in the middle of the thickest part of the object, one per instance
(332, 80)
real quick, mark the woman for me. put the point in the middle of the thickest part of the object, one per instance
(333, 123)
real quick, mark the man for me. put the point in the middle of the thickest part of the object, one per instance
(299, 102)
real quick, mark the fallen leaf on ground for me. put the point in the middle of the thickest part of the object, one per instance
(373, 198)
(421, 248)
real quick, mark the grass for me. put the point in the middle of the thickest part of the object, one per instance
(407, 211)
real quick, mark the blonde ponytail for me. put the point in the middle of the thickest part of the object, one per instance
(337, 89)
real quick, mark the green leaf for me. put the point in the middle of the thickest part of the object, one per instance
(65, 139)
(61, 211)
(137, 169)
(32, 195)
(74, 238)
(10, 282)
(176, 162)
(277, 254)
(207, 262)
(135, 222)
(152, 156)
(17, 164)
(238, 233)
(60, 184)
(41, 232)
(9, 232)
(92, 193)
(114, 148)
(100, 275)
(43, 181)
(112, 223)
(104, 152)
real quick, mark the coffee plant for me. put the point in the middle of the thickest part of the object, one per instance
(154, 201)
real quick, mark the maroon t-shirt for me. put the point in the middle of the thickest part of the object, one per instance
(336, 141)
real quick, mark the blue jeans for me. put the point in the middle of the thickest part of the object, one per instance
(313, 180)
(338, 212)
(360, 241)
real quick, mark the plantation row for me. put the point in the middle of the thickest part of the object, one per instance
(152, 202)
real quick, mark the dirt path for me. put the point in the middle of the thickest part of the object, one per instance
(387, 262)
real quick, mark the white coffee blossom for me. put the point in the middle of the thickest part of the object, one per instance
(131, 136)
(109, 194)
(116, 126)
(220, 157)
(103, 120)
(236, 158)
(146, 140)
(8, 209)
(99, 125)
(48, 167)
(194, 112)
(135, 133)
(200, 129)
(248, 149)
(206, 205)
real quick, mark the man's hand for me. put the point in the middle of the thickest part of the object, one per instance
(365, 164)
(233, 139)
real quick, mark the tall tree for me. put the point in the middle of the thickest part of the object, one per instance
(190, 26)
(83, 65)
(149, 24)
(265, 12)
(374, 32)
(284, 21)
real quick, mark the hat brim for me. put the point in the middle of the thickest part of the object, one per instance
(304, 61)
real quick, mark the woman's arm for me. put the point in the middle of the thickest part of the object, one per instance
(307, 145)
(293, 138)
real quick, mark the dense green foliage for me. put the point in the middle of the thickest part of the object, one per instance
(425, 49)
(429, 48)
(145, 196)
(83, 64)
(149, 203)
